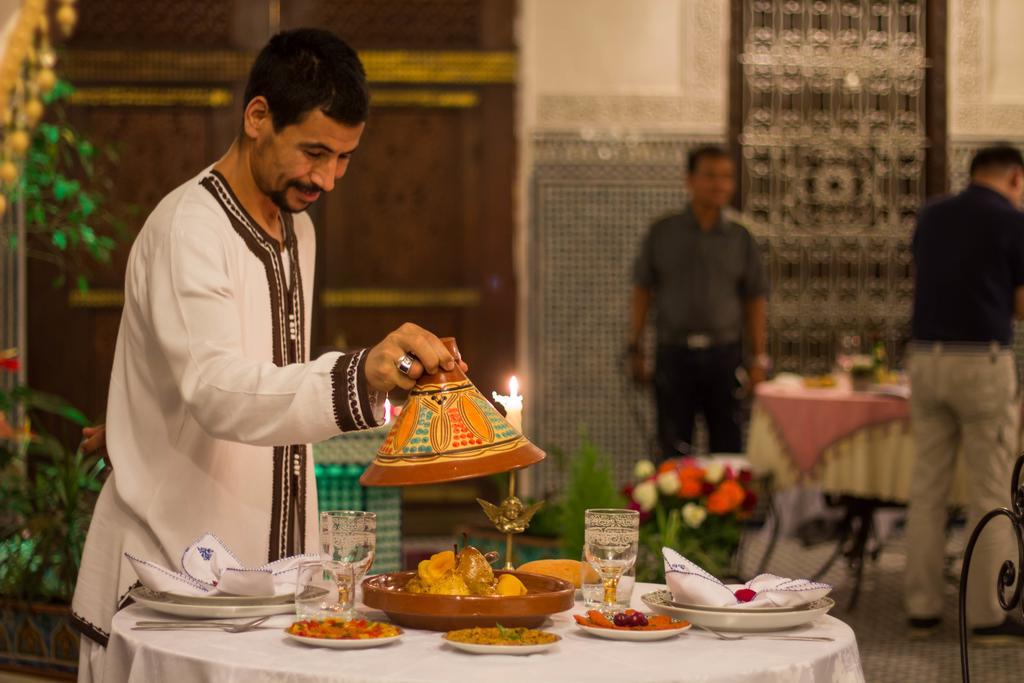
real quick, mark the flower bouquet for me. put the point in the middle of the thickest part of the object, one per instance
(695, 509)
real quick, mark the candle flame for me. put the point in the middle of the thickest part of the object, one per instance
(387, 410)
(513, 387)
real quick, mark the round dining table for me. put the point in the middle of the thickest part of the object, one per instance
(266, 654)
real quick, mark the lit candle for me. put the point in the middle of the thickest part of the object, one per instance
(513, 404)
(387, 410)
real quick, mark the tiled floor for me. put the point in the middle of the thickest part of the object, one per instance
(887, 653)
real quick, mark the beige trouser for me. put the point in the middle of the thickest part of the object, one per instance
(962, 400)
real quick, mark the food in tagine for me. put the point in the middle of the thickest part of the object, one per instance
(630, 620)
(572, 571)
(500, 635)
(468, 573)
(339, 629)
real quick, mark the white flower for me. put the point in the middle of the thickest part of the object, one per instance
(668, 482)
(694, 515)
(643, 469)
(645, 494)
(714, 472)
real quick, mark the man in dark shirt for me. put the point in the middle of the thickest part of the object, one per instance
(704, 274)
(969, 285)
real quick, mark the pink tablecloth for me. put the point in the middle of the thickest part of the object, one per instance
(808, 421)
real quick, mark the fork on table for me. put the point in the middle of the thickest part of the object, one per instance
(227, 626)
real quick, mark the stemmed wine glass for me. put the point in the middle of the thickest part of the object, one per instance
(610, 541)
(348, 538)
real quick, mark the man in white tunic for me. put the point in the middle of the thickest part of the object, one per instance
(213, 399)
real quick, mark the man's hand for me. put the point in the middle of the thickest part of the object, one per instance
(638, 366)
(431, 356)
(94, 438)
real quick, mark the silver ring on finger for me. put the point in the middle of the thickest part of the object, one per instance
(404, 363)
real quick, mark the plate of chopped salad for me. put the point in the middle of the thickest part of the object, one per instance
(344, 635)
(501, 641)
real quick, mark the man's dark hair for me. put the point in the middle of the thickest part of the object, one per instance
(704, 152)
(306, 69)
(1001, 157)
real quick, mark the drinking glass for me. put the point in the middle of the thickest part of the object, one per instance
(610, 541)
(349, 536)
(324, 590)
(592, 588)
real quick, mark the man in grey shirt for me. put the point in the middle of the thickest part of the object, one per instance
(704, 274)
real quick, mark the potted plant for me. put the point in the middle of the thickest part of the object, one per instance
(48, 486)
(48, 492)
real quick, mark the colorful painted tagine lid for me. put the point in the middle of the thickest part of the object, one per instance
(448, 431)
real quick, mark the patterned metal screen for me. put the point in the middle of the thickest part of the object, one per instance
(832, 167)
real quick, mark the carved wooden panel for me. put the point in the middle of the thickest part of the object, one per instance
(129, 23)
(409, 24)
(416, 212)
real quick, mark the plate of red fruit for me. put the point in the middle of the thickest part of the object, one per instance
(630, 625)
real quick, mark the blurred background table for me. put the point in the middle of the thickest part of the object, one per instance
(845, 442)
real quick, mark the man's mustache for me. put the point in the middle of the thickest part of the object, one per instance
(302, 187)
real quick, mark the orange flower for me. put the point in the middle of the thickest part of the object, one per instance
(726, 498)
(691, 472)
(689, 487)
(668, 465)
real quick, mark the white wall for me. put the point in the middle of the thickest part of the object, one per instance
(631, 64)
(986, 70)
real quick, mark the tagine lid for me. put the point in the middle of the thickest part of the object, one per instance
(448, 431)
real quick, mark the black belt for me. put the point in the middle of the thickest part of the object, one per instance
(698, 341)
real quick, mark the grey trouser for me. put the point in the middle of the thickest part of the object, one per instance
(963, 400)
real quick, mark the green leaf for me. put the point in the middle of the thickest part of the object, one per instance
(86, 149)
(88, 234)
(63, 188)
(50, 132)
(60, 240)
(83, 284)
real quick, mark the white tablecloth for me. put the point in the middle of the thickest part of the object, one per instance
(267, 655)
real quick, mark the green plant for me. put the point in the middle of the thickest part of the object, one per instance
(68, 218)
(48, 492)
(589, 484)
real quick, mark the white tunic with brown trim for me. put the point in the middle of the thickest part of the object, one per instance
(213, 399)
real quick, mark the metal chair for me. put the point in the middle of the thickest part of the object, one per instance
(1008, 573)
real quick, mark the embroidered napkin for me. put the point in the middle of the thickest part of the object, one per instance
(209, 568)
(691, 585)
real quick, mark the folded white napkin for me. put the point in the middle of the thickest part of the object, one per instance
(209, 568)
(691, 585)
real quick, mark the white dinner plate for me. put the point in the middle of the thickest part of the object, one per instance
(234, 600)
(478, 649)
(344, 643)
(624, 634)
(209, 609)
(739, 619)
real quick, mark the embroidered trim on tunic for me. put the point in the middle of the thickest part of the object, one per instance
(289, 346)
(351, 397)
(89, 629)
